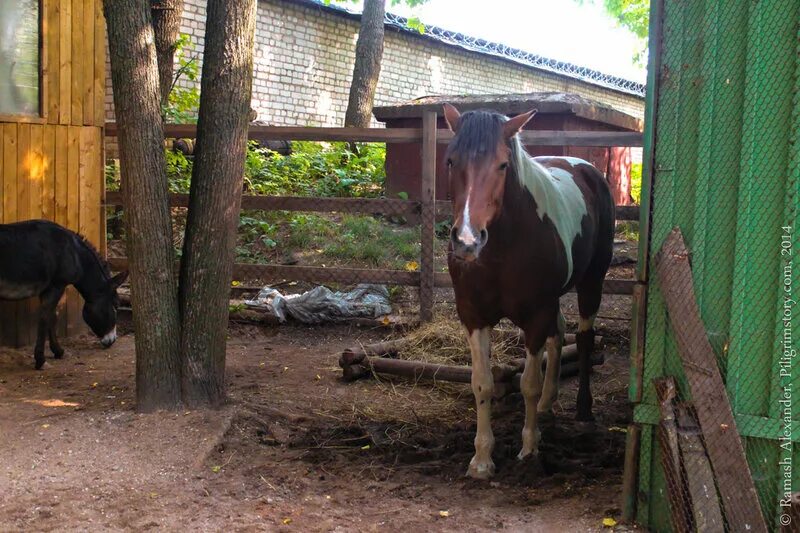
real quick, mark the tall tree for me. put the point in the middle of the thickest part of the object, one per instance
(144, 185)
(166, 15)
(367, 67)
(215, 197)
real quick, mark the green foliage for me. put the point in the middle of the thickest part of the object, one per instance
(413, 22)
(179, 171)
(628, 230)
(633, 15)
(636, 182)
(183, 103)
(317, 169)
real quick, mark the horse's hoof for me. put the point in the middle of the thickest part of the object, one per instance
(39, 364)
(545, 416)
(523, 454)
(480, 470)
(58, 354)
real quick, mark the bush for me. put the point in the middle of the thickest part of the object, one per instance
(317, 169)
(636, 182)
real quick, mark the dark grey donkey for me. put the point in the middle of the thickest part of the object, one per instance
(40, 258)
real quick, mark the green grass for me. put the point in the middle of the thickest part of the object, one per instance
(628, 230)
(357, 241)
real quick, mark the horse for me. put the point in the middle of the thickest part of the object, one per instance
(525, 231)
(40, 258)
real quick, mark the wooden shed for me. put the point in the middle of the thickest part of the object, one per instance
(52, 93)
(556, 111)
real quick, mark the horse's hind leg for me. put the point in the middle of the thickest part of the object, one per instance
(553, 344)
(589, 295)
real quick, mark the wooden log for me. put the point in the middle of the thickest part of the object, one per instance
(508, 374)
(356, 354)
(720, 434)
(699, 476)
(568, 369)
(670, 456)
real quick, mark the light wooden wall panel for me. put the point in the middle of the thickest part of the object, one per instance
(51, 167)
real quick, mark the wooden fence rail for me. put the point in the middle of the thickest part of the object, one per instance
(427, 208)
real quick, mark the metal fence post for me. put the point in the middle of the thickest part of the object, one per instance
(428, 200)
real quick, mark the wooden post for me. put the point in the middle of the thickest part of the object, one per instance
(723, 444)
(428, 199)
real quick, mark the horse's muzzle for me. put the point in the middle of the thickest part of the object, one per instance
(466, 245)
(109, 338)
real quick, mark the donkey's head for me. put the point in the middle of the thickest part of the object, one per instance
(100, 309)
(478, 159)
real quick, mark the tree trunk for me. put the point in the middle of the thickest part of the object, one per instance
(134, 74)
(215, 197)
(367, 68)
(166, 27)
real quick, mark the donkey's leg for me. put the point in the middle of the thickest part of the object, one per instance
(42, 330)
(553, 369)
(481, 466)
(53, 299)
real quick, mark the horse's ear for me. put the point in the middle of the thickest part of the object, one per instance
(119, 279)
(515, 124)
(451, 116)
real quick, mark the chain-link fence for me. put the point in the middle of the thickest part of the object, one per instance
(350, 240)
(714, 385)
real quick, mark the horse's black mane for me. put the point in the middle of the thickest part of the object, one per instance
(479, 132)
(104, 267)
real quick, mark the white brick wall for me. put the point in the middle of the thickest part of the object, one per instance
(304, 60)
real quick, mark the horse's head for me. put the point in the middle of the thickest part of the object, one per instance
(100, 310)
(478, 159)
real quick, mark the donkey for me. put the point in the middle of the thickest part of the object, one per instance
(526, 230)
(41, 258)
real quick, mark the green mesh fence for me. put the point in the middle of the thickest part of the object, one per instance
(726, 171)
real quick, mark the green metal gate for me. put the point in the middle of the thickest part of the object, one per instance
(722, 163)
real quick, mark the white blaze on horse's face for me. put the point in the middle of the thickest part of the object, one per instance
(477, 183)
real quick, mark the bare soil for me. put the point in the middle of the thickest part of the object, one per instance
(296, 449)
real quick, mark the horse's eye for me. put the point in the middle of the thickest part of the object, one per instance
(503, 166)
(449, 163)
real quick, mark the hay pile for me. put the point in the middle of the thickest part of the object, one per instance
(443, 341)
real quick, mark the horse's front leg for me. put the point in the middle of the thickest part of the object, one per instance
(481, 466)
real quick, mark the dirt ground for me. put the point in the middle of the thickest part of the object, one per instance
(296, 449)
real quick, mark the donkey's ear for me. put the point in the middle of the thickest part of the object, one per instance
(513, 125)
(451, 116)
(119, 279)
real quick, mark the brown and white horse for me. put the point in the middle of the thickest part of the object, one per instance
(526, 230)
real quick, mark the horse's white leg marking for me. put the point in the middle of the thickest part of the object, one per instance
(531, 385)
(585, 324)
(481, 465)
(466, 235)
(553, 369)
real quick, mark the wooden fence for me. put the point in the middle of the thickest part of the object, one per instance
(426, 208)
